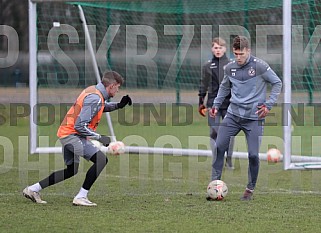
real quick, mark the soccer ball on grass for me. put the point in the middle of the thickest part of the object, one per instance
(217, 190)
(116, 148)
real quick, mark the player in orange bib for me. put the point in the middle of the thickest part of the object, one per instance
(75, 132)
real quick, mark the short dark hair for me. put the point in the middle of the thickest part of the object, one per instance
(241, 42)
(111, 77)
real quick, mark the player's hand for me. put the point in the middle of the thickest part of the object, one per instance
(262, 111)
(213, 112)
(105, 140)
(202, 109)
(124, 101)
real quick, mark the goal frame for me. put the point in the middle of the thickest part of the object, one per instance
(33, 73)
(302, 162)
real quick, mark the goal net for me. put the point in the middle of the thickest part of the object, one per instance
(160, 47)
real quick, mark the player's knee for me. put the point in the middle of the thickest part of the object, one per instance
(221, 152)
(253, 159)
(221, 146)
(71, 170)
(101, 158)
(213, 134)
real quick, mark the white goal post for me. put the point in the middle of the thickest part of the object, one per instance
(290, 161)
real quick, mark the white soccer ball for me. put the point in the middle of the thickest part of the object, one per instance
(217, 190)
(273, 155)
(116, 148)
(96, 143)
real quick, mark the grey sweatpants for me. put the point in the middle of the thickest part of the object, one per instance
(214, 124)
(230, 127)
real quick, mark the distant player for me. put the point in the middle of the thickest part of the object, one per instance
(246, 79)
(78, 126)
(212, 76)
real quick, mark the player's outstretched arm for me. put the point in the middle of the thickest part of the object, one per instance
(124, 101)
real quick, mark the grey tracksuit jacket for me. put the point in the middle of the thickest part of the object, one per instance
(248, 86)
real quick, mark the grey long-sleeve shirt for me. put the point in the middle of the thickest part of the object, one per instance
(248, 86)
(91, 106)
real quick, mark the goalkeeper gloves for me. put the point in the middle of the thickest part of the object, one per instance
(105, 140)
(124, 101)
(202, 109)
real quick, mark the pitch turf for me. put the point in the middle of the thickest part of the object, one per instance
(153, 193)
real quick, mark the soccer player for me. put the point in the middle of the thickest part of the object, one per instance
(78, 126)
(246, 78)
(212, 76)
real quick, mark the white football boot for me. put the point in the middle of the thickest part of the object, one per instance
(33, 196)
(83, 201)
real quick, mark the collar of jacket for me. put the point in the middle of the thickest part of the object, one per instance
(100, 87)
(219, 58)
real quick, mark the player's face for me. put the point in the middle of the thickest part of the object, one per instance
(218, 50)
(112, 89)
(241, 55)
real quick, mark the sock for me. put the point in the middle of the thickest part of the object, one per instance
(82, 193)
(35, 187)
(249, 190)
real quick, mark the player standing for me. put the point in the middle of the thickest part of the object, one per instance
(212, 76)
(246, 79)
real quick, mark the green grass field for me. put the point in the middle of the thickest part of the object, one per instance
(154, 193)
